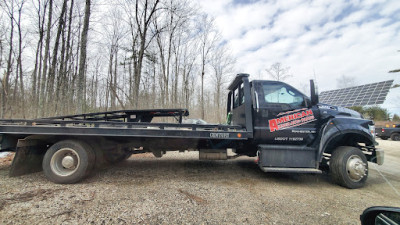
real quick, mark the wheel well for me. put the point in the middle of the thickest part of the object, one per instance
(350, 139)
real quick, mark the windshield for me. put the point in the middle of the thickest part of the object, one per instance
(281, 93)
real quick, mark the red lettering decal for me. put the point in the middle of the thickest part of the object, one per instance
(273, 125)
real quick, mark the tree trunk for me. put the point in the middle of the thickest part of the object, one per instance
(82, 58)
(202, 92)
(37, 71)
(52, 70)
(21, 80)
(115, 73)
(68, 63)
(61, 73)
(46, 56)
(111, 80)
(6, 79)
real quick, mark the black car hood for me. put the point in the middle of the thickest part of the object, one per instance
(337, 111)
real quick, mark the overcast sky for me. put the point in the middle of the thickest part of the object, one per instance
(359, 39)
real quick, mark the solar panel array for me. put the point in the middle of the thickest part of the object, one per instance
(368, 94)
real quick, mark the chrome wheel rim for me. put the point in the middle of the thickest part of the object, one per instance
(65, 162)
(356, 168)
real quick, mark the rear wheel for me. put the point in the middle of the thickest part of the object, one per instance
(68, 161)
(395, 137)
(349, 167)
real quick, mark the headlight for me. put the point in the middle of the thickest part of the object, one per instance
(372, 130)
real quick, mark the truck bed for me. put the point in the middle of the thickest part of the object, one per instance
(121, 129)
(124, 123)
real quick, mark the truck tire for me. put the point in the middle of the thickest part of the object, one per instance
(68, 161)
(384, 138)
(349, 167)
(395, 137)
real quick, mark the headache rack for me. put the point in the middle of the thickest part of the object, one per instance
(145, 115)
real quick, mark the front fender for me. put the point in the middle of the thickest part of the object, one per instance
(342, 126)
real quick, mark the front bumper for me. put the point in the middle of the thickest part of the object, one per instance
(379, 156)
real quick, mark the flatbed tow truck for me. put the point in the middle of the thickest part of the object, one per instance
(286, 130)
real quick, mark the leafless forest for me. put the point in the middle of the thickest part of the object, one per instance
(67, 56)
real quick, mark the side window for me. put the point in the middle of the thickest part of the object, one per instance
(238, 94)
(241, 94)
(235, 98)
(280, 93)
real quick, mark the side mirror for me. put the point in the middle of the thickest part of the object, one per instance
(314, 93)
(380, 215)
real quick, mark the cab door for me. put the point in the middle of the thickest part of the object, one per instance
(283, 115)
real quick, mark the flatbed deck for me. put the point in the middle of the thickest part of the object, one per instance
(123, 123)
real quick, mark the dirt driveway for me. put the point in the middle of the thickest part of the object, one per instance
(180, 189)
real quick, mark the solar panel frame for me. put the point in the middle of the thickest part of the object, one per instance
(367, 94)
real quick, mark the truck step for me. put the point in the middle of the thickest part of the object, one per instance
(290, 170)
(286, 147)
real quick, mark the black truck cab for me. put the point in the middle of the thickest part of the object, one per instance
(276, 112)
(295, 133)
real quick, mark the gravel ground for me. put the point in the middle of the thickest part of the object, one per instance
(179, 188)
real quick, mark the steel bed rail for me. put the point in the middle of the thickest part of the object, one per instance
(90, 123)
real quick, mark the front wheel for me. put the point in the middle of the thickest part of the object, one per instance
(68, 161)
(384, 138)
(349, 167)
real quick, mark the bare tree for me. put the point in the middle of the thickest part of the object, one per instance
(208, 40)
(19, 59)
(45, 61)
(394, 71)
(6, 79)
(168, 45)
(61, 70)
(278, 72)
(222, 64)
(170, 26)
(52, 71)
(37, 71)
(1, 49)
(82, 59)
(189, 55)
(68, 63)
(140, 21)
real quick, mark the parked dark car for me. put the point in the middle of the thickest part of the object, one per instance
(385, 133)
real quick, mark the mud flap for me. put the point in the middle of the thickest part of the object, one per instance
(28, 157)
